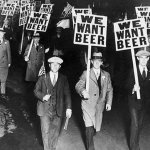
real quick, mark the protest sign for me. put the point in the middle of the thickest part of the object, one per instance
(24, 13)
(38, 21)
(144, 12)
(24, 2)
(130, 34)
(90, 29)
(46, 8)
(76, 11)
(8, 9)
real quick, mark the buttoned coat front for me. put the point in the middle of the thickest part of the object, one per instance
(35, 62)
(93, 107)
(5, 54)
(63, 100)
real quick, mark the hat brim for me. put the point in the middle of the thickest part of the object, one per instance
(97, 57)
(55, 60)
(142, 53)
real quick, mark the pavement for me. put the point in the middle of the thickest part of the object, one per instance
(20, 126)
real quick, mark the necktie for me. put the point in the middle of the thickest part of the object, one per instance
(144, 73)
(54, 80)
(97, 75)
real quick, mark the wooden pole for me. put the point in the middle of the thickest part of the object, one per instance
(30, 46)
(4, 22)
(135, 73)
(88, 68)
(22, 38)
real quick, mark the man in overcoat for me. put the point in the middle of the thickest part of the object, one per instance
(98, 97)
(5, 62)
(54, 102)
(138, 107)
(35, 59)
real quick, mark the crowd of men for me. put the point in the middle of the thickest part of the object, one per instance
(53, 91)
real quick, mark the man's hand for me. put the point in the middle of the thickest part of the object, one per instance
(46, 97)
(26, 58)
(135, 88)
(108, 107)
(85, 94)
(68, 113)
(47, 50)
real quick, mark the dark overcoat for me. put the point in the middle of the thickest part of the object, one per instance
(36, 59)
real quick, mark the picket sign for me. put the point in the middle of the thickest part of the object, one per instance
(88, 68)
(131, 34)
(22, 39)
(135, 73)
(30, 46)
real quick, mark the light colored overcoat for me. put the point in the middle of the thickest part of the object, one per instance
(94, 106)
(5, 54)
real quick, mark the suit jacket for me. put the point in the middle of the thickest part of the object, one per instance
(36, 58)
(144, 89)
(5, 54)
(44, 86)
(94, 106)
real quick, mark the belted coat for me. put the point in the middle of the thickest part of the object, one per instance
(94, 106)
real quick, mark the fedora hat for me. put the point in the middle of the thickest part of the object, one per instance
(142, 53)
(97, 55)
(55, 59)
(36, 35)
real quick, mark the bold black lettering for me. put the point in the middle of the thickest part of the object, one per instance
(78, 37)
(120, 35)
(80, 27)
(125, 25)
(120, 44)
(87, 19)
(136, 23)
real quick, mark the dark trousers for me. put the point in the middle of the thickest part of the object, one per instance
(50, 129)
(137, 116)
(89, 138)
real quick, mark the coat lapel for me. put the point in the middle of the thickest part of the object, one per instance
(93, 76)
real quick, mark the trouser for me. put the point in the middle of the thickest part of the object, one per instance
(89, 133)
(50, 129)
(135, 128)
(3, 87)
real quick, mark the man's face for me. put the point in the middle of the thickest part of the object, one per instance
(54, 67)
(97, 63)
(36, 40)
(143, 60)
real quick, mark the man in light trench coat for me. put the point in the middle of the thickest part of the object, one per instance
(99, 96)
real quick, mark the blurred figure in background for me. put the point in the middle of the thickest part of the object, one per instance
(5, 62)
(35, 59)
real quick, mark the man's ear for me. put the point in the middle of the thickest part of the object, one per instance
(137, 58)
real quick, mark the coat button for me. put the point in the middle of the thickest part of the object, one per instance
(94, 94)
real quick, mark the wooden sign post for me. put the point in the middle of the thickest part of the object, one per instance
(90, 30)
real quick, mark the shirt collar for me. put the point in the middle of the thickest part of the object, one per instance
(141, 68)
(96, 70)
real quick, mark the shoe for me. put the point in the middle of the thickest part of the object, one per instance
(4, 96)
